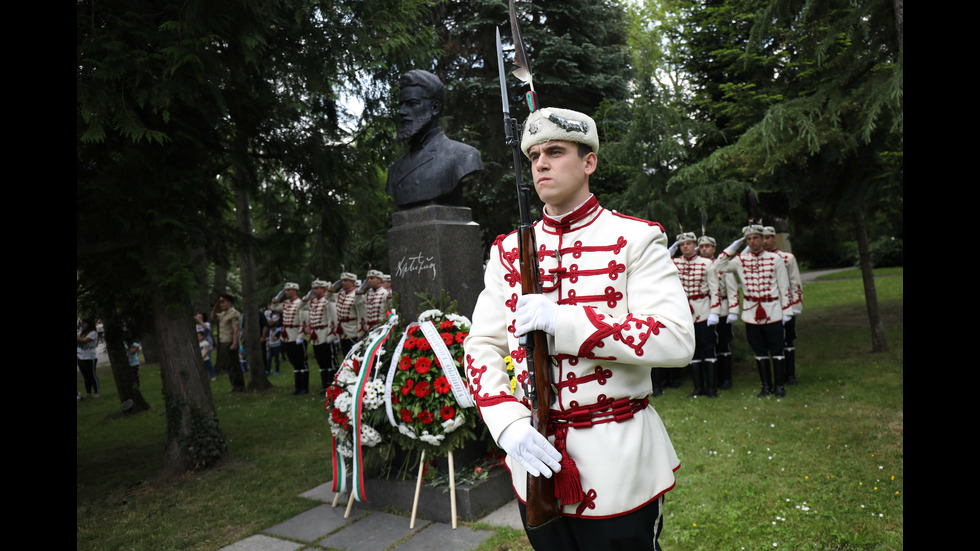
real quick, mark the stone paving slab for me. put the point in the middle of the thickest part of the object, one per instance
(315, 523)
(376, 532)
(261, 542)
(442, 536)
(508, 515)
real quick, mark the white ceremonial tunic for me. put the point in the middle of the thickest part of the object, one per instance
(725, 299)
(295, 318)
(323, 319)
(795, 282)
(621, 311)
(350, 311)
(375, 307)
(765, 297)
(693, 273)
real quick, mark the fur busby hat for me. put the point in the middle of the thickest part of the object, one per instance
(686, 236)
(551, 123)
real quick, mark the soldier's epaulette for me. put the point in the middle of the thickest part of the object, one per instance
(647, 222)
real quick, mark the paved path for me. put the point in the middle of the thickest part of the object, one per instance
(324, 527)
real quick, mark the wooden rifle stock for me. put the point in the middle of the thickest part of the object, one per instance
(542, 505)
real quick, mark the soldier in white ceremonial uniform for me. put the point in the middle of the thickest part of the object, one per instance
(375, 301)
(323, 331)
(350, 312)
(693, 272)
(613, 307)
(724, 308)
(765, 304)
(796, 303)
(295, 324)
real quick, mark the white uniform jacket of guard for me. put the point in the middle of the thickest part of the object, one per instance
(795, 282)
(375, 307)
(693, 273)
(295, 318)
(765, 297)
(621, 311)
(350, 313)
(323, 319)
(725, 300)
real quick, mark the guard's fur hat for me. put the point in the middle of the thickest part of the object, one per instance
(551, 123)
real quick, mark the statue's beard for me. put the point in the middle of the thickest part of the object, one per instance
(412, 127)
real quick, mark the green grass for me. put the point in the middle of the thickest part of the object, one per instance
(821, 469)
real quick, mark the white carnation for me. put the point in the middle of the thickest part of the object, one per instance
(403, 428)
(430, 439)
(454, 423)
(430, 314)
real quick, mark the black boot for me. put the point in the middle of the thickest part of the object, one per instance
(305, 377)
(766, 375)
(696, 374)
(657, 378)
(790, 354)
(297, 383)
(779, 367)
(709, 378)
(724, 366)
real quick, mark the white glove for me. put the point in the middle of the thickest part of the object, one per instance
(732, 318)
(672, 249)
(736, 243)
(535, 312)
(712, 319)
(786, 319)
(797, 312)
(533, 451)
(299, 339)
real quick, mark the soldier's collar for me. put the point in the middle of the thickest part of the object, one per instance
(581, 216)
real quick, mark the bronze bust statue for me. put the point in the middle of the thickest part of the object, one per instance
(431, 171)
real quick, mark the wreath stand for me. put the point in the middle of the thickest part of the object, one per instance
(418, 489)
(452, 490)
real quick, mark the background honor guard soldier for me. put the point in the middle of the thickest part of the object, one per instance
(796, 292)
(765, 304)
(724, 306)
(375, 301)
(229, 322)
(323, 332)
(612, 306)
(692, 269)
(295, 321)
(350, 310)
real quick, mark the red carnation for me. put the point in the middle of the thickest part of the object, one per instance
(423, 365)
(422, 344)
(442, 385)
(447, 413)
(394, 398)
(425, 417)
(447, 338)
(409, 343)
(412, 330)
(405, 364)
(461, 336)
(406, 415)
(339, 418)
(407, 388)
(446, 324)
(422, 389)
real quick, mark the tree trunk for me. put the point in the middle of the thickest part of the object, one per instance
(121, 372)
(878, 342)
(194, 439)
(255, 362)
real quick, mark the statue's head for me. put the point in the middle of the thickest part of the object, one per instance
(422, 97)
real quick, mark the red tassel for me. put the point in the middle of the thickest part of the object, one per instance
(760, 313)
(568, 482)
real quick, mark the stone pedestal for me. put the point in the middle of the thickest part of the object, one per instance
(433, 248)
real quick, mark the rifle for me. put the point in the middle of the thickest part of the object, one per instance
(542, 505)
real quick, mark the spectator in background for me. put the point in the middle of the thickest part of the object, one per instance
(87, 339)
